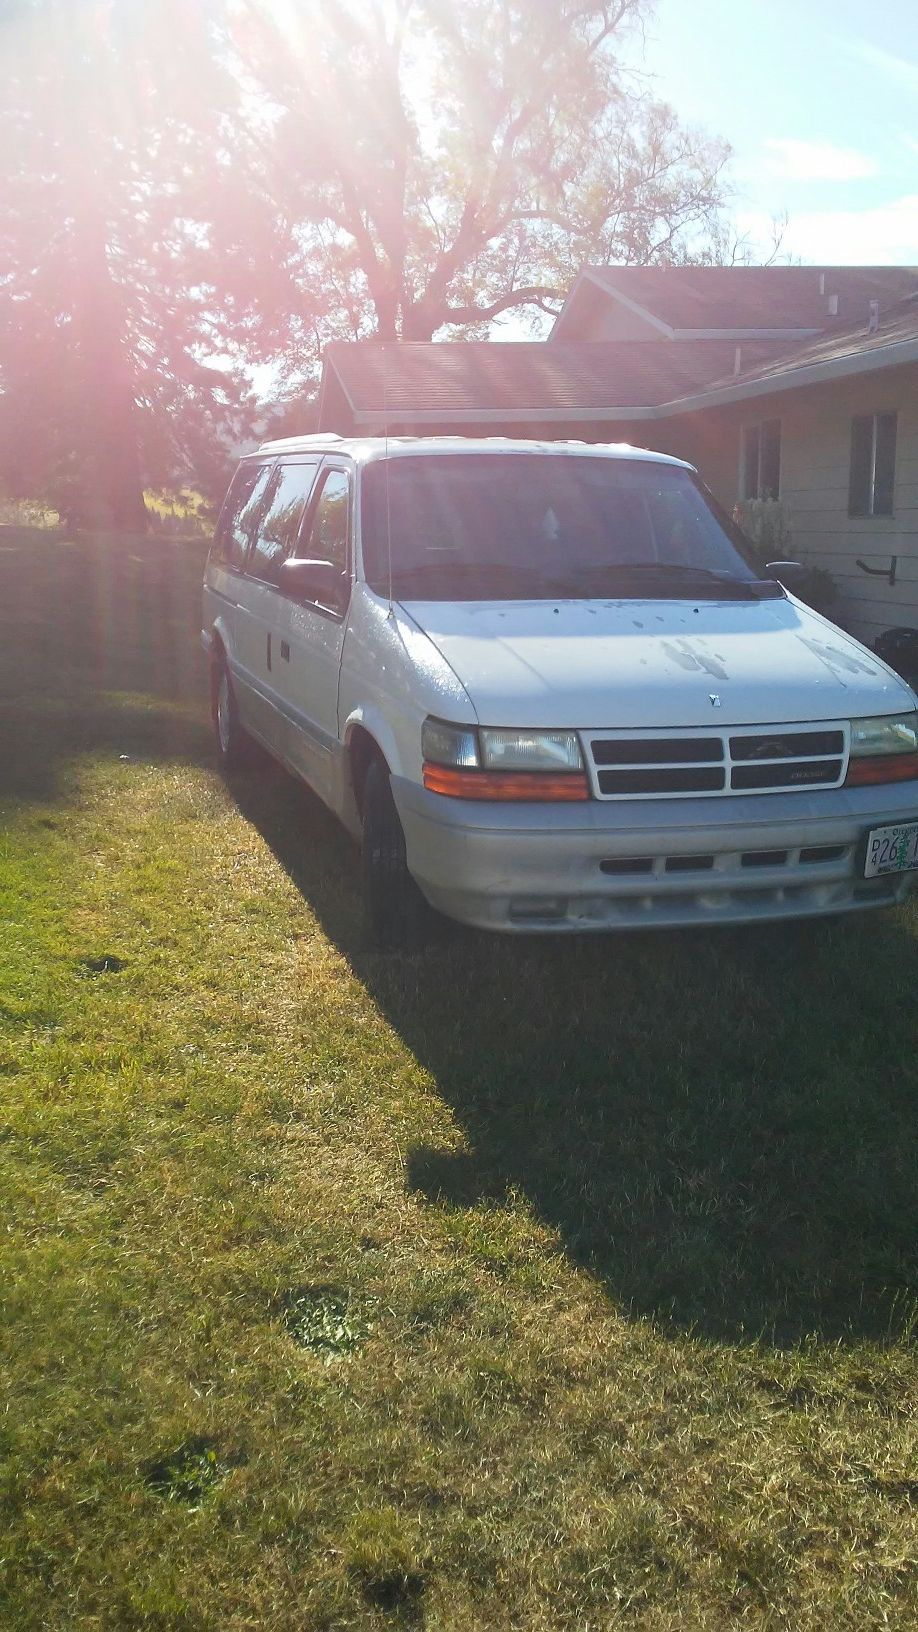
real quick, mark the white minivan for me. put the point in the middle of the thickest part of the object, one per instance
(547, 686)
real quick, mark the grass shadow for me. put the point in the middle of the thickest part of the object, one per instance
(719, 1125)
(98, 652)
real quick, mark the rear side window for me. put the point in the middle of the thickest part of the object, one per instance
(329, 531)
(239, 513)
(280, 524)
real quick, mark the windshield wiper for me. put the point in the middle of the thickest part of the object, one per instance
(608, 571)
(667, 567)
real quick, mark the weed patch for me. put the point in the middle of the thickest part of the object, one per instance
(188, 1474)
(324, 1320)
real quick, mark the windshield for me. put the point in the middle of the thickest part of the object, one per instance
(500, 526)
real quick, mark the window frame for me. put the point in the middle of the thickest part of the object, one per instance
(758, 425)
(217, 555)
(327, 468)
(870, 512)
(280, 464)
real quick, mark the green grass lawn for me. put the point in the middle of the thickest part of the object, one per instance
(522, 1285)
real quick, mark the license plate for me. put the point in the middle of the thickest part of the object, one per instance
(892, 850)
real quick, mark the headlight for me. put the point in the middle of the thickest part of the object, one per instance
(468, 762)
(884, 749)
(888, 734)
(530, 750)
(446, 744)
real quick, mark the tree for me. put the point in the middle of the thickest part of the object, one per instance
(427, 164)
(102, 326)
(194, 183)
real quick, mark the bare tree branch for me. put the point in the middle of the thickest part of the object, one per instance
(534, 295)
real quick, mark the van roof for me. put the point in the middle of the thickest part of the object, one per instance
(365, 448)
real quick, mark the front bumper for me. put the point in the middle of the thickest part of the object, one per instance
(651, 863)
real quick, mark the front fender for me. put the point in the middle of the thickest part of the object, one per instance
(220, 633)
(371, 718)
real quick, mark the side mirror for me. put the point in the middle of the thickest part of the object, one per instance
(318, 581)
(792, 574)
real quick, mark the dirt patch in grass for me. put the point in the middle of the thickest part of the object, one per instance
(107, 963)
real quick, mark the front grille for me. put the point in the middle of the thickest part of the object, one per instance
(667, 764)
(787, 745)
(800, 773)
(672, 750)
(668, 779)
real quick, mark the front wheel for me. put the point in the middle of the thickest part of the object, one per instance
(396, 915)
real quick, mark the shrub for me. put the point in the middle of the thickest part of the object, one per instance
(766, 525)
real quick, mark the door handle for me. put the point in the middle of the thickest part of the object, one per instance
(269, 651)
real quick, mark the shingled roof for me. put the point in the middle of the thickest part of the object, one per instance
(844, 348)
(391, 383)
(372, 386)
(742, 298)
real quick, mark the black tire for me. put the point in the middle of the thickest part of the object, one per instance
(231, 740)
(396, 915)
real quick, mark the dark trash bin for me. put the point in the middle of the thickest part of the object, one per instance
(899, 648)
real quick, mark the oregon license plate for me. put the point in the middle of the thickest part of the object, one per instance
(892, 850)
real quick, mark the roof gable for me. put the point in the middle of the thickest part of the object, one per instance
(738, 300)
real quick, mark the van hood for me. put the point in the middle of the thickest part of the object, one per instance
(656, 663)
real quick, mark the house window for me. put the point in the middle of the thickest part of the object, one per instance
(873, 465)
(760, 476)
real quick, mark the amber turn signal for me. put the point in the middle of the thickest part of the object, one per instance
(535, 786)
(877, 768)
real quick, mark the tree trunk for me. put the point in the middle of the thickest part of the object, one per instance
(419, 322)
(108, 429)
(105, 412)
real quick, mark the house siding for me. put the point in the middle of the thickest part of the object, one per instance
(593, 315)
(334, 409)
(615, 321)
(815, 462)
(709, 441)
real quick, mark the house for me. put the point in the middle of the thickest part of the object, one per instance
(798, 383)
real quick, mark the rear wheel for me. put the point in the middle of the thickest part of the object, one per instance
(396, 916)
(232, 741)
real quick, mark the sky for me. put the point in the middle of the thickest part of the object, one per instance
(819, 101)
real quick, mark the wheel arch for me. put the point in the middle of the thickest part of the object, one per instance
(365, 740)
(220, 642)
